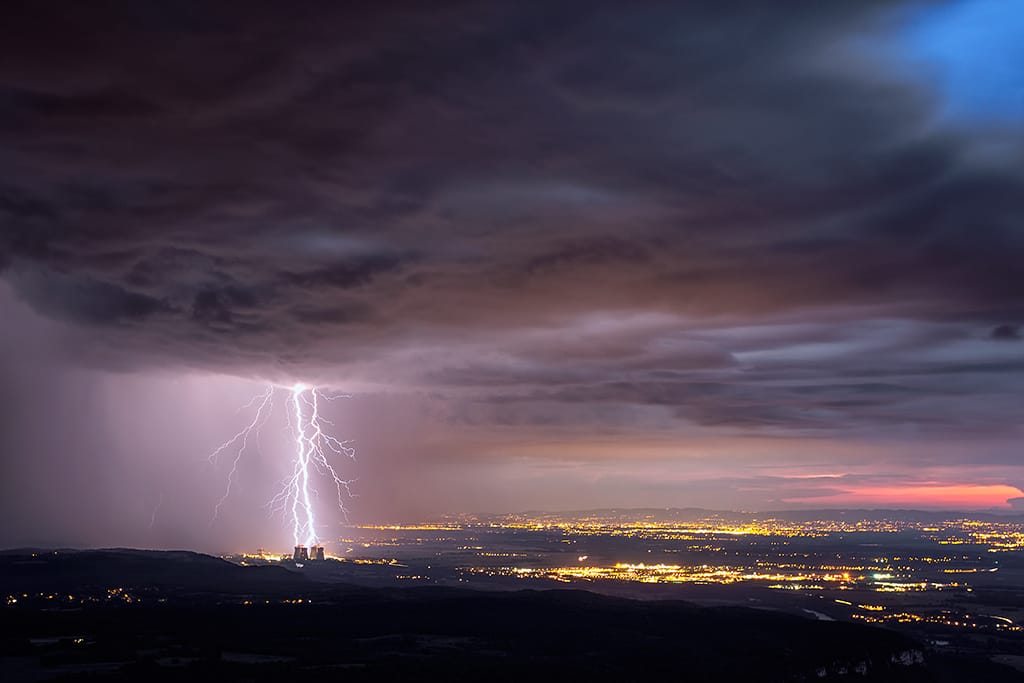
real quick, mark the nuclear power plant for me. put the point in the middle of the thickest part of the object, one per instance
(304, 554)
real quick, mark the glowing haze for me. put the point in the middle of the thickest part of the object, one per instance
(584, 254)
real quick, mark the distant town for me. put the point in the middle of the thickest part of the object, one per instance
(952, 582)
(946, 575)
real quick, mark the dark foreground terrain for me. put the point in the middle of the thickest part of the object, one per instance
(135, 615)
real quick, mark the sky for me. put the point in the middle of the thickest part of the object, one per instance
(558, 256)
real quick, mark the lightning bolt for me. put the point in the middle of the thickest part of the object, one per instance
(314, 449)
(156, 508)
(242, 440)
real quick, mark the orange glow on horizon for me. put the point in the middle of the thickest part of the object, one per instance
(976, 496)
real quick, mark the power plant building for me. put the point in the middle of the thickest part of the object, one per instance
(304, 554)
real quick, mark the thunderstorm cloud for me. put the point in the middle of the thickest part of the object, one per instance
(569, 217)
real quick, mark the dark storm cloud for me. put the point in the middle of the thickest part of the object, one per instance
(709, 209)
(1006, 332)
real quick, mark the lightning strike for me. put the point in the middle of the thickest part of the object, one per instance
(242, 437)
(156, 508)
(314, 448)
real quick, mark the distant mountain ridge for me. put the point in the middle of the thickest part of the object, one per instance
(694, 513)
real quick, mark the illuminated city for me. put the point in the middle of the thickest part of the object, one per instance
(901, 569)
(925, 572)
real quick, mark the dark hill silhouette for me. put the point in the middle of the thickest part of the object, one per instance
(80, 570)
